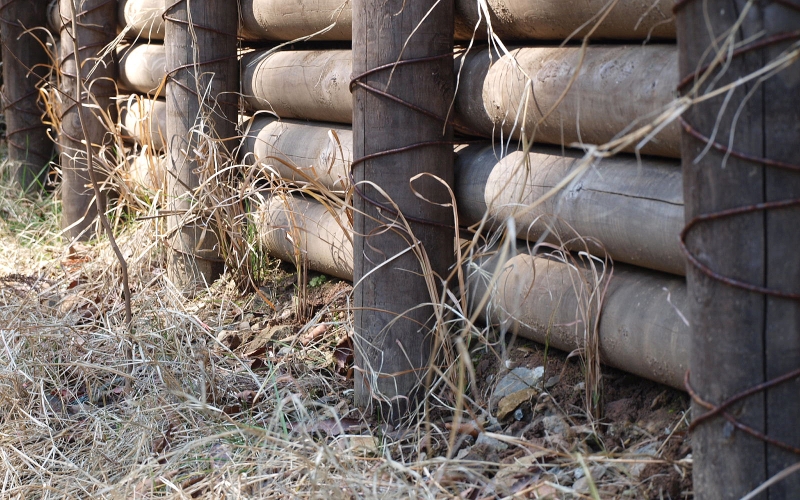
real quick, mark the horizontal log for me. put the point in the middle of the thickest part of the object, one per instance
(632, 210)
(293, 228)
(559, 19)
(305, 152)
(510, 19)
(144, 121)
(142, 18)
(310, 85)
(147, 172)
(53, 17)
(642, 328)
(281, 20)
(142, 68)
(616, 86)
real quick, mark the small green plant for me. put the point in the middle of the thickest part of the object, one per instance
(317, 281)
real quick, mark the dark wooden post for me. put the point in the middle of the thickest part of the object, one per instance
(393, 328)
(203, 81)
(743, 336)
(96, 28)
(26, 66)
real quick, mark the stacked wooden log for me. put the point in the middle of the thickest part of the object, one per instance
(142, 83)
(629, 207)
(626, 207)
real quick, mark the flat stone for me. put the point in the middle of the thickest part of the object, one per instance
(516, 380)
(490, 442)
(552, 381)
(556, 425)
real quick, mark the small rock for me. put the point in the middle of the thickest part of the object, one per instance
(552, 381)
(650, 450)
(555, 425)
(519, 414)
(579, 387)
(490, 442)
(517, 380)
(244, 326)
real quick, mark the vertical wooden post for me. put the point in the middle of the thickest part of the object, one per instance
(393, 328)
(96, 28)
(203, 71)
(25, 67)
(742, 337)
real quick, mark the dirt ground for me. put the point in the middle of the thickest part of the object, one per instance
(250, 395)
(644, 423)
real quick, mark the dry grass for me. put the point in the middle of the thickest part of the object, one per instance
(207, 418)
(204, 421)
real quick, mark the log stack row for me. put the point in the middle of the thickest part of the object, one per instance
(142, 84)
(539, 108)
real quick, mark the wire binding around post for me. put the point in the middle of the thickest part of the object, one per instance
(719, 410)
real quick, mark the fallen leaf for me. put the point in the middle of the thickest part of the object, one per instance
(362, 444)
(470, 428)
(343, 356)
(508, 404)
(230, 339)
(314, 334)
(246, 397)
(545, 491)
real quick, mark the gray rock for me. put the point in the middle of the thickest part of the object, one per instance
(552, 381)
(581, 484)
(648, 450)
(516, 380)
(490, 442)
(556, 425)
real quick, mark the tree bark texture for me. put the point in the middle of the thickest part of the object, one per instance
(742, 337)
(203, 80)
(393, 326)
(25, 67)
(96, 28)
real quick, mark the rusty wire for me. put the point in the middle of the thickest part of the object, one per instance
(111, 91)
(719, 410)
(171, 78)
(357, 81)
(195, 64)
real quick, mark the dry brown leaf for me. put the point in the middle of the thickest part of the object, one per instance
(508, 404)
(314, 334)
